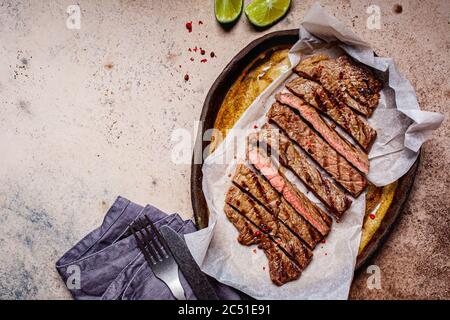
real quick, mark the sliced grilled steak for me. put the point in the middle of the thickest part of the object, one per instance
(360, 82)
(305, 207)
(248, 233)
(265, 221)
(314, 94)
(332, 162)
(355, 156)
(353, 85)
(333, 197)
(281, 268)
(262, 191)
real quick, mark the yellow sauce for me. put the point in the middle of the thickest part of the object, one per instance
(375, 212)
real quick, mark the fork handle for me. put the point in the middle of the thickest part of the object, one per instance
(176, 288)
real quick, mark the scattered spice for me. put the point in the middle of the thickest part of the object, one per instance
(203, 60)
(186, 77)
(254, 250)
(109, 66)
(326, 253)
(398, 9)
(179, 66)
(229, 175)
(202, 52)
(212, 54)
(192, 59)
(257, 233)
(195, 49)
(264, 268)
(200, 22)
(372, 216)
(324, 241)
(189, 49)
(265, 228)
(189, 26)
(255, 126)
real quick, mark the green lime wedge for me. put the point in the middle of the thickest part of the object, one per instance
(227, 11)
(263, 13)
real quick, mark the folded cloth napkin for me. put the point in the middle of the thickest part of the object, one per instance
(107, 264)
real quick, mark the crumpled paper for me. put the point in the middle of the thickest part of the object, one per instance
(402, 128)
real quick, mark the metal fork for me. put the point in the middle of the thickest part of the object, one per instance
(157, 255)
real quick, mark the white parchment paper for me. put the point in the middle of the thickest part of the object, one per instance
(402, 128)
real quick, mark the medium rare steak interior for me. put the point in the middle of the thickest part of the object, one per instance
(305, 207)
(355, 156)
(324, 188)
(331, 161)
(260, 189)
(314, 94)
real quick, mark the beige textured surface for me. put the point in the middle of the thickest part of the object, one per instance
(87, 114)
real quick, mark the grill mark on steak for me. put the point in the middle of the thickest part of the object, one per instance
(314, 94)
(258, 187)
(360, 81)
(281, 268)
(333, 197)
(269, 224)
(354, 155)
(332, 162)
(353, 85)
(305, 207)
(248, 233)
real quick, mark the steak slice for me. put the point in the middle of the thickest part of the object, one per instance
(262, 191)
(324, 188)
(248, 233)
(355, 86)
(355, 156)
(281, 268)
(305, 207)
(332, 162)
(360, 82)
(269, 224)
(314, 94)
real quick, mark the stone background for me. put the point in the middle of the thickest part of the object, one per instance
(87, 115)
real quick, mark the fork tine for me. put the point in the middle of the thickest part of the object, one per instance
(162, 253)
(141, 246)
(148, 242)
(158, 234)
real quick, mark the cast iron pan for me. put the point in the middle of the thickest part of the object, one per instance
(211, 107)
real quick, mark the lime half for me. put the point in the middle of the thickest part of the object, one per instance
(227, 11)
(263, 13)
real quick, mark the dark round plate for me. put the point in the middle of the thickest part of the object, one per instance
(208, 116)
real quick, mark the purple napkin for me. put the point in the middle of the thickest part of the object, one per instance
(107, 264)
